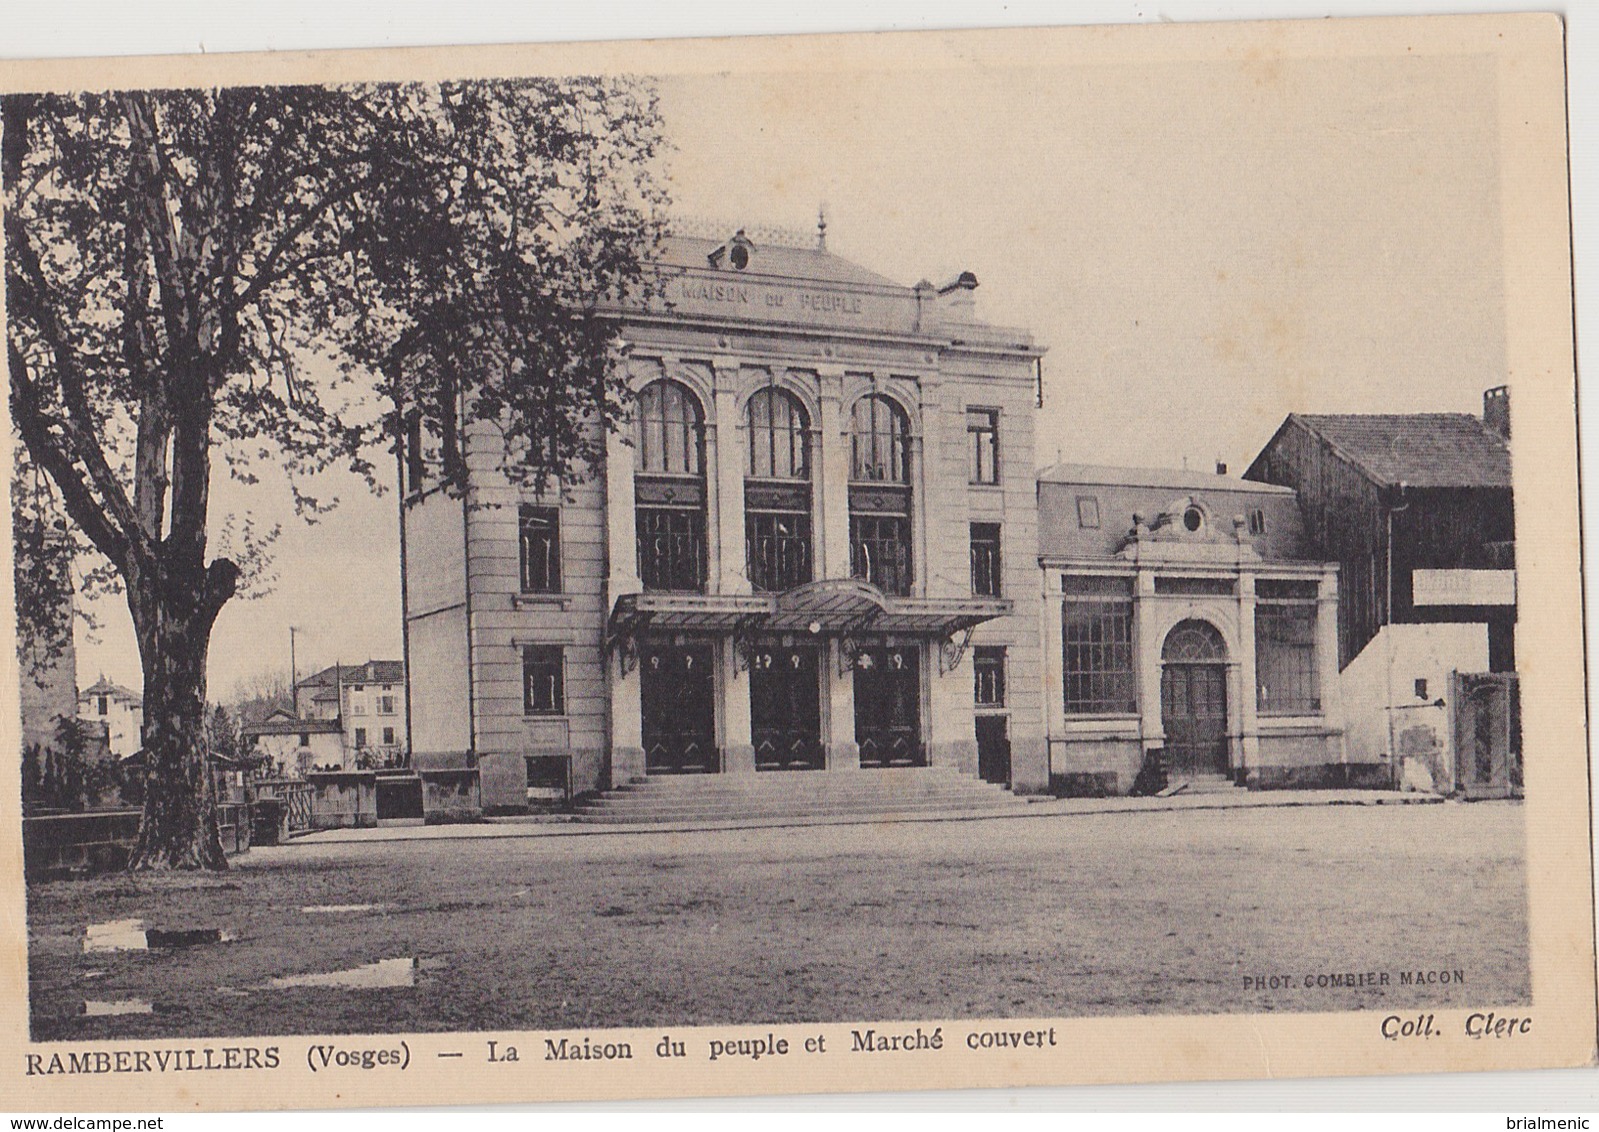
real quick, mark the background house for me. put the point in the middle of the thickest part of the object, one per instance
(367, 701)
(296, 746)
(116, 711)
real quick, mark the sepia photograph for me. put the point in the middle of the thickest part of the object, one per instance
(795, 564)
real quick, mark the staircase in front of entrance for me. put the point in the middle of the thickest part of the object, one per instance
(778, 795)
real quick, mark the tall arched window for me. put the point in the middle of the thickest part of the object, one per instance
(880, 494)
(778, 432)
(880, 441)
(670, 430)
(669, 488)
(777, 491)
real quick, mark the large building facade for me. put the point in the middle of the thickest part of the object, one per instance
(813, 549)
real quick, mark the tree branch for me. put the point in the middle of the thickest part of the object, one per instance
(35, 426)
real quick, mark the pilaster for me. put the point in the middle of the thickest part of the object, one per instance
(838, 706)
(724, 482)
(831, 485)
(738, 748)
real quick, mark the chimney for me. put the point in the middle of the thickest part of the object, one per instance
(958, 301)
(1221, 468)
(1496, 410)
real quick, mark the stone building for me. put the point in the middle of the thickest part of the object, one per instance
(814, 548)
(1190, 634)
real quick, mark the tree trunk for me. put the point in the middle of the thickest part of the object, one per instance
(179, 826)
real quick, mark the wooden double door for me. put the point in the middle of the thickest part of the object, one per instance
(1193, 713)
(677, 702)
(786, 705)
(888, 706)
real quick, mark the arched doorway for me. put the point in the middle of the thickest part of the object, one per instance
(1193, 701)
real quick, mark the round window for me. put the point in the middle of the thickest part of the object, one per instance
(739, 256)
(1193, 518)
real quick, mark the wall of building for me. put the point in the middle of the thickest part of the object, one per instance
(1346, 519)
(441, 733)
(285, 751)
(504, 620)
(1380, 684)
(436, 629)
(1006, 384)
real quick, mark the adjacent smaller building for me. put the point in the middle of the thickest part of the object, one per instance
(116, 711)
(1189, 635)
(295, 747)
(1418, 510)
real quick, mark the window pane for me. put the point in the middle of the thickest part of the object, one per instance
(982, 427)
(985, 559)
(1098, 656)
(541, 550)
(668, 429)
(1285, 659)
(988, 667)
(542, 680)
(879, 441)
(880, 551)
(671, 549)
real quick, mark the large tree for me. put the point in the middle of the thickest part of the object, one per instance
(209, 279)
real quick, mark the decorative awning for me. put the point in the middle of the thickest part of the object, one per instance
(834, 607)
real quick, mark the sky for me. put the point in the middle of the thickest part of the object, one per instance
(1203, 248)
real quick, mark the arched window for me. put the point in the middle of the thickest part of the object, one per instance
(1194, 641)
(669, 489)
(880, 435)
(778, 447)
(880, 494)
(777, 492)
(670, 430)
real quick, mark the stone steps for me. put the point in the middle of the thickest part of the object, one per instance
(797, 794)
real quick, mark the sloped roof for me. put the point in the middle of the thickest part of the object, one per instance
(1420, 449)
(815, 264)
(104, 687)
(279, 726)
(372, 672)
(1120, 493)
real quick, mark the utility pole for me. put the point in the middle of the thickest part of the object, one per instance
(294, 675)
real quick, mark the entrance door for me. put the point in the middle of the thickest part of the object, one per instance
(785, 707)
(993, 749)
(677, 690)
(398, 797)
(1193, 701)
(888, 706)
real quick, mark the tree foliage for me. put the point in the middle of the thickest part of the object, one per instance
(224, 278)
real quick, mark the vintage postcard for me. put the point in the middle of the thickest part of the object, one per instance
(787, 565)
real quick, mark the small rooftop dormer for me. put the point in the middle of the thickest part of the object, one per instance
(958, 298)
(735, 255)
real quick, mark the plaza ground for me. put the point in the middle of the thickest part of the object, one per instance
(1051, 915)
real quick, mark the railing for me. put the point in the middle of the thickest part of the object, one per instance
(297, 807)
